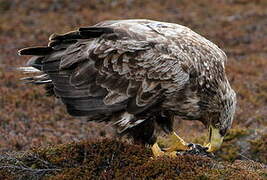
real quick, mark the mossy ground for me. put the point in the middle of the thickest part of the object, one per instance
(30, 119)
(112, 159)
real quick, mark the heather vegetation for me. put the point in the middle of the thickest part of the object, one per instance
(40, 140)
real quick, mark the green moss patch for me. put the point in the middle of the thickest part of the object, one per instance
(259, 148)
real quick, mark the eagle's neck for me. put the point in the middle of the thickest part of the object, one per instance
(184, 103)
(199, 97)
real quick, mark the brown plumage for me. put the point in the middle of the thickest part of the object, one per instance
(137, 73)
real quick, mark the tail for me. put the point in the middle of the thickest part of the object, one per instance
(59, 66)
(40, 79)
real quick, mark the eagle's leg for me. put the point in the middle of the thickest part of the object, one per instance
(174, 143)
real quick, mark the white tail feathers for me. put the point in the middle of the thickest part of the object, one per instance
(28, 69)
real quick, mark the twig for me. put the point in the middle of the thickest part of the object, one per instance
(28, 169)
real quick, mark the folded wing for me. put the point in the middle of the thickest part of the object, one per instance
(110, 67)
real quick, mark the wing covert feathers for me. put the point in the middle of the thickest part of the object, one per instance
(36, 51)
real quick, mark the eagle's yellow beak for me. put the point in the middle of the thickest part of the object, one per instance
(215, 139)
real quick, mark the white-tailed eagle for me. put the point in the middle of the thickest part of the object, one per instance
(139, 74)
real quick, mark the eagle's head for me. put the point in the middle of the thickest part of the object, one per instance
(220, 121)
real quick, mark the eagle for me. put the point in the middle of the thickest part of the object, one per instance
(139, 74)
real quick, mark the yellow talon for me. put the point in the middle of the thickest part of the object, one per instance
(174, 143)
(156, 150)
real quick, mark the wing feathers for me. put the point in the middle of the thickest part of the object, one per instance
(61, 44)
(91, 104)
(73, 56)
(36, 51)
(35, 62)
(83, 74)
(114, 98)
(106, 68)
(67, 36)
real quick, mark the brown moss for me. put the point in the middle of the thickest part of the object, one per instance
(94, 159)
(6, 175)
(168, 168)
(111, 159)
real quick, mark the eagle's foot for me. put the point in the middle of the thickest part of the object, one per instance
(174, 143)
(197, 149)
(193, 149)
(157, 152)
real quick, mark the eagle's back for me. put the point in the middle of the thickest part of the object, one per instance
(127, 65)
